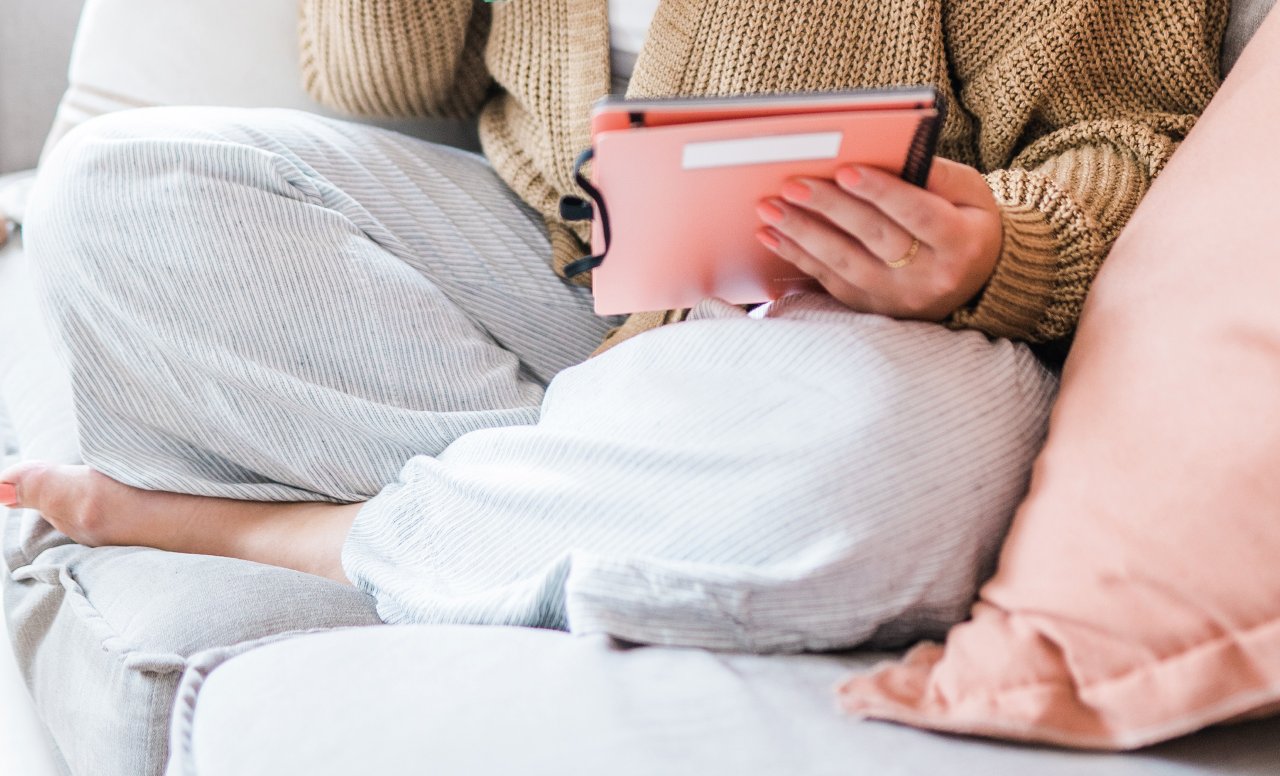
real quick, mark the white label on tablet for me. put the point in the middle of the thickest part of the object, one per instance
(762, 150)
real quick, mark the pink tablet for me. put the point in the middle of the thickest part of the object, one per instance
(676, 183)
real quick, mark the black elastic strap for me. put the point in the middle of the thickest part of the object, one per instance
(575, 205)
(575, 208)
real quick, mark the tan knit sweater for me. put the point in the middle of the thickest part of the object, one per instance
(1071, 106)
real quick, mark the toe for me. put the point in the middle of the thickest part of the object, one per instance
(66, 496)
(20, 485)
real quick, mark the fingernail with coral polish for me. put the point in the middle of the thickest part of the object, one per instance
(796, 191)
(769, 212)
(769, 239)
(848, 177)
(8, 494)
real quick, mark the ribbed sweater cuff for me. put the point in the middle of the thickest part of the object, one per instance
(1032, 295)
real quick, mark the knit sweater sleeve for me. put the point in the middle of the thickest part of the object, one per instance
(395, 57)
(1077, 115)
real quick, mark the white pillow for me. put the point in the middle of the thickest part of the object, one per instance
(136, 53)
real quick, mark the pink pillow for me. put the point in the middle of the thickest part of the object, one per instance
(1138, 593)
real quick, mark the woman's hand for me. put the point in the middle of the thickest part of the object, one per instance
(857, 236)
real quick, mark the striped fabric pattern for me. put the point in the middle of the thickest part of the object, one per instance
(270, 305)
(275, 306)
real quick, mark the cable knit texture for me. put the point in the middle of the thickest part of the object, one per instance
(1072, 107)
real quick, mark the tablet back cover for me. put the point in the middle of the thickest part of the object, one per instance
(681, 199)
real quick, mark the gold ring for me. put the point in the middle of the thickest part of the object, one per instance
(906, 257)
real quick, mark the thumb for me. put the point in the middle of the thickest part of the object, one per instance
(960, 185)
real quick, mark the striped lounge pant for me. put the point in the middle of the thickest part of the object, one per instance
(273, 306)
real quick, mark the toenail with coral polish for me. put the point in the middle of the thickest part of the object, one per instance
(796, 191)
(769, 212)
(8, 494)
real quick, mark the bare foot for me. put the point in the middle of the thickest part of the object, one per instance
(95, 510)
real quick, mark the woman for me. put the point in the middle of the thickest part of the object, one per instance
(269, 312)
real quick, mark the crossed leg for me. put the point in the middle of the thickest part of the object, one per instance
(256, 279)
(242, 329)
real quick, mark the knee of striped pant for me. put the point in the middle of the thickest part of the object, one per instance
(97, 193)
(131, 194)
(75, 210)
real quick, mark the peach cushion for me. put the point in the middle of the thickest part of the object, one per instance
(1138, 593)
